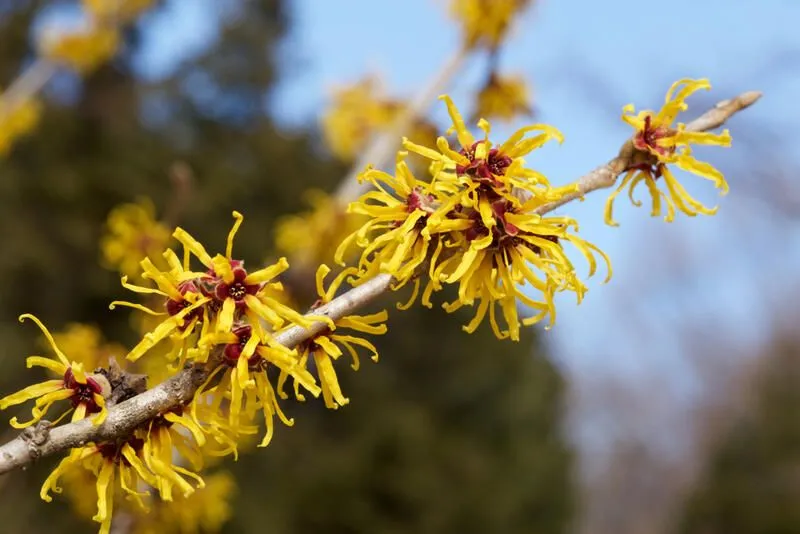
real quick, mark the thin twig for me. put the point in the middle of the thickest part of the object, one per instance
(27, 84)
(606, 175)
(128, 415)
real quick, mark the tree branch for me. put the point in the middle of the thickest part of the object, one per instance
(128, 415)
(606, 175)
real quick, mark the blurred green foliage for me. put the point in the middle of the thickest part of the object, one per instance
(752, 480)
(448, 433)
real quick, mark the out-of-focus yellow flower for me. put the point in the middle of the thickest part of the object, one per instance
(116, 11)
(85, 344)
(132, 234)
(504, 98)
(664, 145)
(20, 120)
(82, 50)
(205, 510)
(85, 392)
(311, 238)
(358, 113)
(486, 22)
(326, 347)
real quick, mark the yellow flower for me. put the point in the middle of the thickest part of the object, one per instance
(399, 211)
(234, 291)
(84, 50)
(185, 307)
(522, 252)
(663, 145)
(246, 356)
(311, 238)
(504, 98)
(17, 122)
(326, 347)
(162, 443)
(116, 467)
(481, 172)
(116, 10)
(126, 466)
(85, 392)
(486, 22)
(205, 510)
(354, 116)
(132, 234)
(475, 225)
(357, 113)
(85, 344)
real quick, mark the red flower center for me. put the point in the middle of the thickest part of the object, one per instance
(233, 351)
(112, 450)
(648, 138)
(174, 307)
(237, 289)
(82, 393)
(485, 169)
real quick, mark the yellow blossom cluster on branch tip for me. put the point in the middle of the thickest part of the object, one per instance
(132, 233)
(357, 113)
(116, 11)
(504, 98)
(665, 145)
(17, 121)
(472, 225)
(486, 22)
(83, 50)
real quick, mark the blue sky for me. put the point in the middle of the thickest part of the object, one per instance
(585, 60)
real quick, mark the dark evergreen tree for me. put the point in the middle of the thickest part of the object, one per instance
(751, 482)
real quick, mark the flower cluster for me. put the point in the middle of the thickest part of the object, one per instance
(98, 40)
(478, 223)
(474, 225)
(132, 234)
(311, 238)
(229, 318)
(486, 22)
(357, 113)
(124, 467)
(16, 121)
(85, 392)
(662, 145)
(504, 98)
